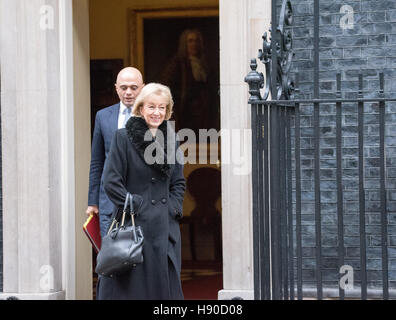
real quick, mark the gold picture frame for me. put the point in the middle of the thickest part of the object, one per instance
(137, 17)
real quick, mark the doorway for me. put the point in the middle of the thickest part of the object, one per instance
(150, 39)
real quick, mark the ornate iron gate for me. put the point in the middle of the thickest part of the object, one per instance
(278, 184)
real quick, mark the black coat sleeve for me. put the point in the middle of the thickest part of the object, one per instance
(177, 187)
(115, 171)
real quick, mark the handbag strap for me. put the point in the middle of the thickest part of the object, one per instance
(128, 200)
(131, 211)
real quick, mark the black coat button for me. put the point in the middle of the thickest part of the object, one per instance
(153, 202)
(163, 200)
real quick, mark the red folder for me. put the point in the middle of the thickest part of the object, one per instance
(92, 230)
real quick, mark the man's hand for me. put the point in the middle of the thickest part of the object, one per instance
(92, 210)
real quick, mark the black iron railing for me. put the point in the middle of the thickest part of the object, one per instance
(294, 258)
(1, 205)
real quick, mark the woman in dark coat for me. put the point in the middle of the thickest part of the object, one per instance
(150, 169)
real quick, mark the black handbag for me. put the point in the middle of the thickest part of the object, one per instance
(122, 247)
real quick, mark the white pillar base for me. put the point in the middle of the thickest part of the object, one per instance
(60, 295)
(236, 294)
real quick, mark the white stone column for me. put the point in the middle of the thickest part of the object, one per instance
(31, 142)
(82, 146)
(242, 23)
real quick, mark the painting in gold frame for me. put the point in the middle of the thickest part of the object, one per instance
(138, 17)
(155, 38)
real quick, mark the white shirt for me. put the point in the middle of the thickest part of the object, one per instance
(199, 73)
(121, 115)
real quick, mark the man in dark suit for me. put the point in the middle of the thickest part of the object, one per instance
(107, 121)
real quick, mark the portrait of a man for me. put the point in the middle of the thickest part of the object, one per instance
(192, 83)
(183, 53)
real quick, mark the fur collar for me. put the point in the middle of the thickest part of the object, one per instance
(137, 128)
